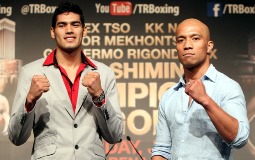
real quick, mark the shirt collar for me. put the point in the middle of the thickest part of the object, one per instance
(210, 74)
(51, 60)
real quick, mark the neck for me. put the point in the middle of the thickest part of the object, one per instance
(195, 73)
(70, 59)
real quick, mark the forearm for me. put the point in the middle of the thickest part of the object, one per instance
(226, 125)
(20, 125)
(114, 117)
(114, 123)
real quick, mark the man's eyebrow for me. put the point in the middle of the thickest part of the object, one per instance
(72, 22)
(196, 34)
(192, 35)
(181, 36)
(76, 22)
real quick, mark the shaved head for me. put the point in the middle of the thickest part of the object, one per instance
(193, 44)
(194, 22)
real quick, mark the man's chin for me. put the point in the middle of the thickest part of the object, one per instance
(188, 65)
(70, 49)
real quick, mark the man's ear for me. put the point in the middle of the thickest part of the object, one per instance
(52, 33)
(210, 46)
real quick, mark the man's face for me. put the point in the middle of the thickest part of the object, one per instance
(192, 44)
(68, 32)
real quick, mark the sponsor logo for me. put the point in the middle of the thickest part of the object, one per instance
(214, 9)
(218, 9)
(154, 9)
(120, 8)
(37, 9)
(125, 8)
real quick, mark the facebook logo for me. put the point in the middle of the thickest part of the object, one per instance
(214, 9)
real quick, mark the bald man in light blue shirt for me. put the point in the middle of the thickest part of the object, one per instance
(204, 115)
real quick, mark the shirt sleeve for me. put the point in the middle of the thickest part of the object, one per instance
(234, 104)
(163, 142)
(21, 121)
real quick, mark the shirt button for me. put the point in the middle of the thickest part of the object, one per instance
(75, 125)
(76, 147)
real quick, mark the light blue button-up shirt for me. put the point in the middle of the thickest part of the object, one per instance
(187, 133)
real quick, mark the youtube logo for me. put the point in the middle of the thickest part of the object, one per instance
(120, 8)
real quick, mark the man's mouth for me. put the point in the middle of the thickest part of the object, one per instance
(69, 38)
(188, 54)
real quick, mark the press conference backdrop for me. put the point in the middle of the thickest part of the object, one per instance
(136, 39)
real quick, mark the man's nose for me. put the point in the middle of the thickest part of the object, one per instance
(69, 29)
(188, 44)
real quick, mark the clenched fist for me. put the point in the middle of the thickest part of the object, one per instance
(39, 85)
(93, 83)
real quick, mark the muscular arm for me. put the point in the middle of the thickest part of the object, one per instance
(29, 89)
(110, 124)
(226, 125)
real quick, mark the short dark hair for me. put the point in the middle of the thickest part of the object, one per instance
(67, 6)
